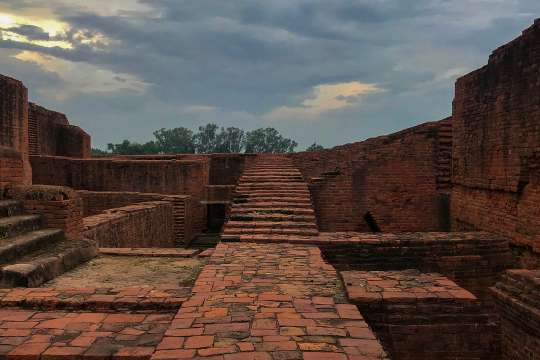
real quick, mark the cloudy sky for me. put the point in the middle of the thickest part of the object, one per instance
(332, 71)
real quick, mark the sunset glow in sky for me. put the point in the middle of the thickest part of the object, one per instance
(326, 71)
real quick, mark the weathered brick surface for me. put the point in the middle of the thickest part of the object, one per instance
(49, 133)
(170, 177)
(402, 179)
(14, 164)
(496, 136)
(91, 299)
(95, 202)
(36, 335)
(148, 224)
(270, 302)
(60, 207)
(518, 300)
(423, 315)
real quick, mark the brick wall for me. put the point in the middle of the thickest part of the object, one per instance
(496, 153)
(14, 164)
(402, 179)
(518, 301)
(149, 224)
(51, 134)
(96, 202)
(169, 177)
(60, 207)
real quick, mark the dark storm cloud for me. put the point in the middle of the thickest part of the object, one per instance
(29, 31)
(248, 57)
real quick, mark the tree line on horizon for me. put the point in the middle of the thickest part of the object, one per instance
(208, 139)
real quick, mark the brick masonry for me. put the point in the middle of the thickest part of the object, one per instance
(518, 301)
(496, 135)
(423, 315)
(50, 133)
(95, 202)
(171, 177)
(148, 224)
(402, 179)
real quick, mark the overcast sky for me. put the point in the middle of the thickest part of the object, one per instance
(332, 71)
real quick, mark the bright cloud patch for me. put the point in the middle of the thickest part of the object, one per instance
(82, 78)
(324, 98)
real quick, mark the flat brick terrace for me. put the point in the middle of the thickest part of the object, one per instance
(423, 316)
(268, 302)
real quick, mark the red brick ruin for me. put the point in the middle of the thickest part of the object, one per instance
(423, 244)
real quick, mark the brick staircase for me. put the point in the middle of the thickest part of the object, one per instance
(271, 201)
(30, 254)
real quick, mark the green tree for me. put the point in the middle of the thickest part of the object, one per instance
(268, 140)
(230, 140)
(315, 147)
(206, 139)
(128, 148)
(174, 141)
(99, 152)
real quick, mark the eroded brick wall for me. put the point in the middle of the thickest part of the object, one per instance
(496, 153)
(96, 202)
(14, 164)
(149, 224)
(51, 134)
(169, 177)
(402, 179)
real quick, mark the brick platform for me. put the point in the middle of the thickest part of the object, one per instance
(264, 302)
(150, 252)
(423, 316)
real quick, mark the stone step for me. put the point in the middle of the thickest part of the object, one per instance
(19, 224)
(276, 199)
(14, 247)
(271, 211)
(272, 224)
(10, 208)
(273, 231)
(46, 262)
(271, 205)
(272, 217)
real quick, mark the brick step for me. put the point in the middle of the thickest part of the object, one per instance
(272, 186)
(10, 208)
(275, 199)
(277, 192)
(46, 262)
(271, 224)
(271, 205)
(276, 172)
(14, 247)
(271, 232)
(270, 211)
(244, 180)
(275, 238)
(19, 224)
(273, 167)
(272, 217)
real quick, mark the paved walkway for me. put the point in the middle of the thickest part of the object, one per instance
(268, 302)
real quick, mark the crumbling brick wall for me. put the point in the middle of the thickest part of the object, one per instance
(496, 153)
(402, 179)
(51, 134)
(96, 202)
(169, 177)
(149, 224)
(14, 164)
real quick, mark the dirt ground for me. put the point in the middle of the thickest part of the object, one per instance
(125, 271)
